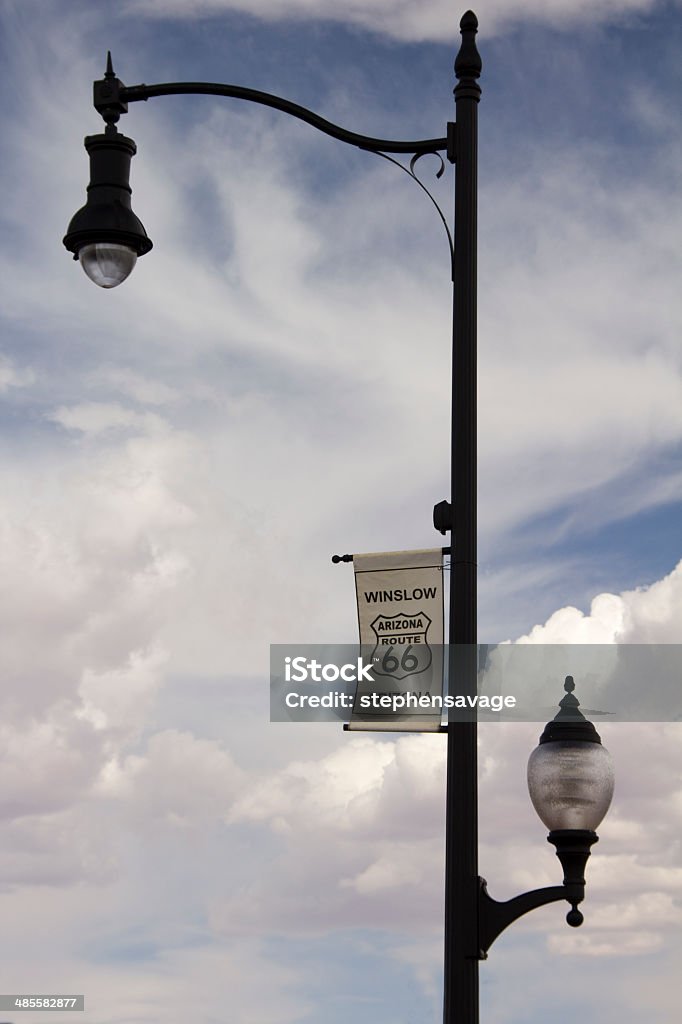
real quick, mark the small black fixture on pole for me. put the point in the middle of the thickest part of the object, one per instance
(569, 775)
(105, 235)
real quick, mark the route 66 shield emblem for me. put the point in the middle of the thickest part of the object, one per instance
(402, 645)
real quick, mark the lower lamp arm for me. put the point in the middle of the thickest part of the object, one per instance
(494, 916)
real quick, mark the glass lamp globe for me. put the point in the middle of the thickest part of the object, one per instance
(570, 783)
(107, 263)
(570, 773)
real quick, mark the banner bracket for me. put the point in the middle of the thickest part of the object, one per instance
(349, 558)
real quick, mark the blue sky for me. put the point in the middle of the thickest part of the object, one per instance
(182, 455)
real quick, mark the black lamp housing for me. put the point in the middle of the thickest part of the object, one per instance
(107, 217)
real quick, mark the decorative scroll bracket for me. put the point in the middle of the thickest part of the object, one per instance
(415, 177)
(494, 916)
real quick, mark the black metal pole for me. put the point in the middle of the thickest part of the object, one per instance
(461, 824)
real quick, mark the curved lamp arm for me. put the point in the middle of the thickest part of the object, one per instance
(573, 849)
(266, 99)
(494, 916)
(111, 98)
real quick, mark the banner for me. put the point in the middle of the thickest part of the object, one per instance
(400, 617)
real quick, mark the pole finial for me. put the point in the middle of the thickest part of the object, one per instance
(109, 73)
(570, 723)
(468, 62)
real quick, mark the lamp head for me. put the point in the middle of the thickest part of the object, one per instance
(570, 781)
(570, 772)
(105, 235)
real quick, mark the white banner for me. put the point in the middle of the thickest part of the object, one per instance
(400, 617)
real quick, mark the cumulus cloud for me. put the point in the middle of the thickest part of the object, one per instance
(622, 640)
(178, 779)
(88, 558)
(47, 765)
(121, 698)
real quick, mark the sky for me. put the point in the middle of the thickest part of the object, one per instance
(182, 455)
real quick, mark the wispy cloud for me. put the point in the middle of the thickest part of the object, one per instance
(431, 20)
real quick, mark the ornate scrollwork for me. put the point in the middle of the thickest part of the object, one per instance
(415, 177)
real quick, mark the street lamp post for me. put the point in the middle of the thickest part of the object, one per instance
(462, 945)
(569, 774)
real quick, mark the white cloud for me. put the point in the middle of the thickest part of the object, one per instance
(430, 20)
(179, 780)
(11, 377)
(94, 418)
(575, 395)
(52, 852)
(621, 944)
(402, 865)
(341, 790)
(143, 389)
(46, 766)
(602, 625)
(646, 615)
(121, 698)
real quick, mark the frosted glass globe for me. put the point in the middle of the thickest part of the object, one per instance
(107, 263)
(570, 783)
